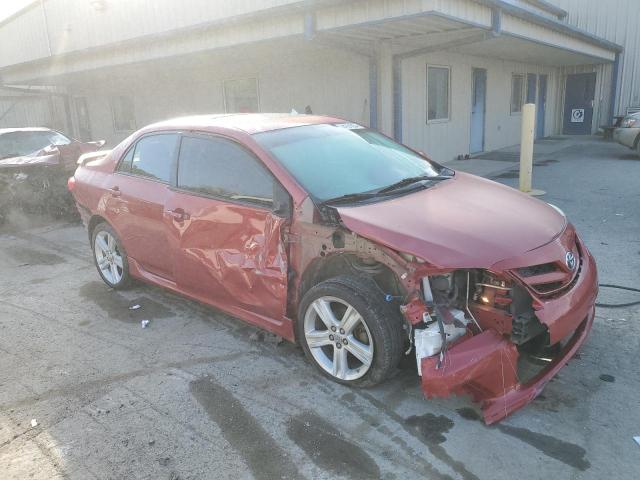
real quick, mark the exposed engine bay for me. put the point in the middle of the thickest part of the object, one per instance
(467, 302)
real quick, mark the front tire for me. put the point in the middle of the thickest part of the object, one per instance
(110, 257)
(349, 332)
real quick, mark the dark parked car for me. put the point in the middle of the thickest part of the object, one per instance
(34, 166)
(360, 249)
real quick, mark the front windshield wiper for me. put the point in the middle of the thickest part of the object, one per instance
(352, 197)
(405, 182)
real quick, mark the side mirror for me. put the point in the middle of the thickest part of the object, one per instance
(282, 206)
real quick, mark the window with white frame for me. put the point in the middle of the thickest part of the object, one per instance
(124, 118)
(241, 95)
(517, 92)
(438, 88)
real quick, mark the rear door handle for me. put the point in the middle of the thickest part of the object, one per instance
(115, 191)
(178, 214)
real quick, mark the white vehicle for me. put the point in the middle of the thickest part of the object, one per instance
(628, 133)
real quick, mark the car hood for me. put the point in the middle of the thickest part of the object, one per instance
(31, 160)
(464, 222)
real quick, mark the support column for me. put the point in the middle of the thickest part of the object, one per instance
(385, 87)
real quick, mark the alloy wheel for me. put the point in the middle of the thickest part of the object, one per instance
(338, 338)
(108, 257)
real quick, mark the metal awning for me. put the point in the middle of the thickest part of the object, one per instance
(504, 36)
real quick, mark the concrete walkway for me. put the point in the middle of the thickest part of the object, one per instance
(505, 161)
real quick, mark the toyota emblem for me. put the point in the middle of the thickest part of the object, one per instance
(570, 259)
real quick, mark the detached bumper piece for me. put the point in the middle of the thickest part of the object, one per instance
(485, 367)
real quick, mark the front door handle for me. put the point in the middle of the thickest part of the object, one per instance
(115, 191)
(178, 214)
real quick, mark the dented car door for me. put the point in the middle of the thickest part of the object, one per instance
(228, 239)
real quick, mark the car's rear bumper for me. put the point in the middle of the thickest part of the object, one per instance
(485, 366)
(626, 136)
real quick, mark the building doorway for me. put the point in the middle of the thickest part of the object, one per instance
(478, 109)
(580, 90)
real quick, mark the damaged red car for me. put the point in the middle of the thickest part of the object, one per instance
(360, 249)
(35, 164)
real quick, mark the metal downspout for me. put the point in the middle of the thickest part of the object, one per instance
(373, 93)
(397, 97)
(614, 88)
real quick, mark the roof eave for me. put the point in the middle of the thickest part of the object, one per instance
(550, 23)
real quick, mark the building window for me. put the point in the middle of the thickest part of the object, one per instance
(517, 93)
(438, 79)
(241, 95)
(124, 119)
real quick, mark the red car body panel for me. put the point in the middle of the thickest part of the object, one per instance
(253, 263)
(485, 365)
(230, 253)
(466, 221)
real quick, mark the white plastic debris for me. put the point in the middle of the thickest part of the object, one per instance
(428, 341)
(34, 422)
(637, 439)
(134, 307)
(144, 323)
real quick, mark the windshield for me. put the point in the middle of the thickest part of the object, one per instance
(16, 144)
(332, 161)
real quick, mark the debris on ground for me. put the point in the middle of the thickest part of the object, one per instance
(134, 307)
(260, 336)
(637, 439)
(144, 323)
(164, 461)
(34, 422)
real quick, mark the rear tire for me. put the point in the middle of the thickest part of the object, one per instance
(110, 257)
(349, 332)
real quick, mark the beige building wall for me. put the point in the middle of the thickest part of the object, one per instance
(331, 82)
(443, 141)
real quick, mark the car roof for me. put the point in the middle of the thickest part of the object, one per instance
(24, 129)
(247, 122)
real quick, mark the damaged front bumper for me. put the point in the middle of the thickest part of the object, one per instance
(485, 366)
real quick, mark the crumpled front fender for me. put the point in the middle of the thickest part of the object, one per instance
(485, 367)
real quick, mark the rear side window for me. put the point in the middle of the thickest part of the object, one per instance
(152, 157)
(222, 168)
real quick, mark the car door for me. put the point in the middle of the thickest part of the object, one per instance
(226, 231)
(137, 194)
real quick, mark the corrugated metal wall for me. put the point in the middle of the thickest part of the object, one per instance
(617, 21)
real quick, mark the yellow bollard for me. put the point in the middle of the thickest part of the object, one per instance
(526, 149)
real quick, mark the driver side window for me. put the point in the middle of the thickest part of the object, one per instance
(221, 168)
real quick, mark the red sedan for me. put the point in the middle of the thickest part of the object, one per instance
(360, 249)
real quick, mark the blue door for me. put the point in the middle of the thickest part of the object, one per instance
(478, 108)
(540, 107)
(578, 103)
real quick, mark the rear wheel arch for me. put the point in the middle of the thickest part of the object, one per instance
(94, 221)
(636, 142)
